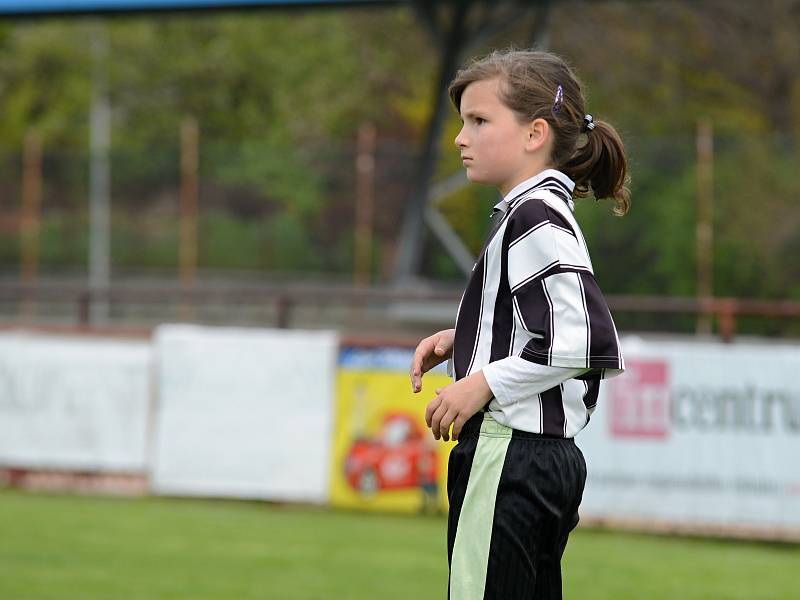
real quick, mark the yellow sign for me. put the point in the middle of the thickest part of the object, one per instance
(384, 456)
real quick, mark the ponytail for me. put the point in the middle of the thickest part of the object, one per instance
(599, 167)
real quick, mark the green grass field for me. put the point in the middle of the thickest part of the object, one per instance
(83, 548)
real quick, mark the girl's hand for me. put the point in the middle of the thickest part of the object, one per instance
(431, 351)
(456, 403)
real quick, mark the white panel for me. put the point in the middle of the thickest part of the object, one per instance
(521, 335)
(73, 403)
(530, 255)
(491, 283)
(698, 433)
(244, 412)
(570, 328)
(558, 205)
(575, 411)
(570, 252)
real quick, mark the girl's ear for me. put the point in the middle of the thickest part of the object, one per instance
(538, 132)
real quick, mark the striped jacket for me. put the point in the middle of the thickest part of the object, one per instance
(532, 303)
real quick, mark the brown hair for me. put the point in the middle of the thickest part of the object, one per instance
(530, 83)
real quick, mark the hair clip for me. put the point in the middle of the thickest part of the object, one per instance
(588, 124)
(559, 99)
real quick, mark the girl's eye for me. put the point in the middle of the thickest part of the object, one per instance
(479, 120)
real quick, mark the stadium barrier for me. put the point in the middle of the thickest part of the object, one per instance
(383, 457)
(74, 404)
(243, 412)
(696, 437)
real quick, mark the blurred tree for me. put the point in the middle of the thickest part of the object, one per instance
(269, 89)
(733, 62)
(44, 83)
(279, 97)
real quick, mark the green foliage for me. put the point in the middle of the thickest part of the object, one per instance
(63, 241)
(267, 166)
(757, 223)
(651, 250)
(468, 211)
(144, 242)
(279, 97)
(228, 242)
(44, 83)
(262, 86)
(287, 244)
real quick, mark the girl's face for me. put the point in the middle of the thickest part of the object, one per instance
(496, 148)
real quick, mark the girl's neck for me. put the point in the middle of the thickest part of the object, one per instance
(523, 176)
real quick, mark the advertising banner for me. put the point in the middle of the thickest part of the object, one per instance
(697, 434)
(244, 412)
(383, 455)
(73, 403)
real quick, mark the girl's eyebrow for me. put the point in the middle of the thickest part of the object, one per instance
(473, 113)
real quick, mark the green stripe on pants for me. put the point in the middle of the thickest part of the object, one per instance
(474, 531)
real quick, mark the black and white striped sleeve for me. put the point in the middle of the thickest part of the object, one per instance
(554, 295)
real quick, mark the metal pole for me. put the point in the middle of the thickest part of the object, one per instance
(188, 227)
(540, 37)
(409, 248)
(705, 215)
(365, 176)
(450, 240)
(99, 180)
(29, 221)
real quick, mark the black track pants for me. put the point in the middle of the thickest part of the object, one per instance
(514, 498)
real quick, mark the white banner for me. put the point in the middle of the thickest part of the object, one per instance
(697, 434)
(73, 403)
(244, 412)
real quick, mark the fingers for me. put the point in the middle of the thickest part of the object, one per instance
(424, 348)
(457, 425)
(441, 419)
(433, 405)
(416, 371)
(436, 419)
(444, 424)
(444, 343)
(416, 379)
(437, 422)
(430, 352)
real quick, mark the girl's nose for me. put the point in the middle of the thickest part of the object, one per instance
(460, 141)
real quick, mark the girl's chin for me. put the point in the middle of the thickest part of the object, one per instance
(479, 178)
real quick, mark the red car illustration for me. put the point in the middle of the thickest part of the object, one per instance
(400, 457)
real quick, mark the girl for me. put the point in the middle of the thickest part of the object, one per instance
(533, 335)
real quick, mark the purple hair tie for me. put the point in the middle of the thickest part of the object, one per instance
(559, 100)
